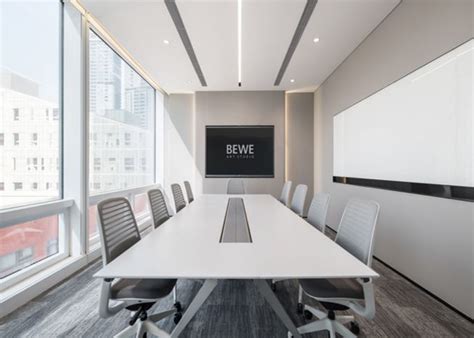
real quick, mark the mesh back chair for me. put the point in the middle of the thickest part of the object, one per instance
(189, 191)
(168, 203)
(235, 186)
(179, 201)
(299, 197)
(356, 235)
(118, 232)
(158, 207)
(318, 210)
(285, 193)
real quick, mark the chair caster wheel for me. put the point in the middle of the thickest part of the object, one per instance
(177, 317)
(354, 328)
(178, 307)
(307, 315)
(274, 287)
(299, 308)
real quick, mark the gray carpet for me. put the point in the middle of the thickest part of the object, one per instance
(234, 309)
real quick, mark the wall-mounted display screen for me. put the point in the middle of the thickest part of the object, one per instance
(417, 131)
(240, 151)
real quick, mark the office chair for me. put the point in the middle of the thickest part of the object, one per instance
(285, 193)
(160, 214)
(236, 186)
(118, 232)
(317, 213)
(189, 191)
(158, 207)
(356, 235)
(178, 196)
(317, 217)
(318, 210)
(299, 197)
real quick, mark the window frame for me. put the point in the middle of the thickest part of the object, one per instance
(97, 32)
(144, 219)
(11, 216)
(14, 216)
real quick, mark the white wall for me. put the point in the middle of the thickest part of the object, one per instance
(179, 126)
(428, 239)
(242, 108)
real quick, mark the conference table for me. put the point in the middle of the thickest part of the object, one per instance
(247, 237)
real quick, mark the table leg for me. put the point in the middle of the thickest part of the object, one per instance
(204, 292)
(267, 293)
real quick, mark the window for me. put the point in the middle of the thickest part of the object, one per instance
(34, 186)
(97, 164)
(121, 107)
(27, 243)
(127, 139)
(2, 139)
(2, 186)
(30, 67)
(129, 164)
(34, 162)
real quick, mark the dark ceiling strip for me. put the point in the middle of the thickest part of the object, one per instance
(307, 12)
(178, 22)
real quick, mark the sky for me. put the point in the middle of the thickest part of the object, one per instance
(29, 44)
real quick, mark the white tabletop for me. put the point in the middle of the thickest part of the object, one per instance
(283, 246)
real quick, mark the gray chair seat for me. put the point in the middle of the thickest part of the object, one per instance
(333, 288)
(142, 288)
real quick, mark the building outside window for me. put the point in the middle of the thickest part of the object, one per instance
(16, 139)
(129, 163)
(16, 114)
(121, 107)
(34, 139)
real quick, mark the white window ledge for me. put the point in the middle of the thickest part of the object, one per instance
(23, 292)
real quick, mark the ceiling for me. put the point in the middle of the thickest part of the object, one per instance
(267, 30)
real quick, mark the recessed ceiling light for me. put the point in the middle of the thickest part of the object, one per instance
(292, 80)
(166, 42)
(315, 40)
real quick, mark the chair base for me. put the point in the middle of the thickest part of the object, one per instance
(325, 323)
(140, 327)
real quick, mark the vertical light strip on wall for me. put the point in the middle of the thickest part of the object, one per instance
(286, 138)
(239, 40)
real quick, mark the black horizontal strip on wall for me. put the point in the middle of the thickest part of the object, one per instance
(436, 190)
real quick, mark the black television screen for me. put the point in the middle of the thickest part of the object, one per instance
(240, 151)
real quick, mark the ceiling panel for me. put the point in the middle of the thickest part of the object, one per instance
(268, 27)
(340, 25)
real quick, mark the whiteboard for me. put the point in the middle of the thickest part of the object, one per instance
(418, 129)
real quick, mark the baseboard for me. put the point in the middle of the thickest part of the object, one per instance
(432, 295)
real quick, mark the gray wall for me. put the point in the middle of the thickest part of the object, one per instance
(428, 239)
(299, 141)
(234, 108)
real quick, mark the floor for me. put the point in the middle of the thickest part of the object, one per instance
(234, 309)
